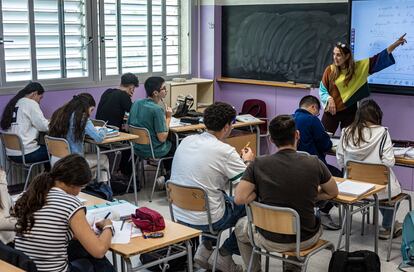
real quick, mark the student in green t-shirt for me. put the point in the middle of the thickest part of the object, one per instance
(149, 114)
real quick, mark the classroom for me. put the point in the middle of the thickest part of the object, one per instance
(202, 135)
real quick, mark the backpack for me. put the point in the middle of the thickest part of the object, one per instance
(178, 264)
(407, 243)
(256, 108)
(357, 261)
(99, 189)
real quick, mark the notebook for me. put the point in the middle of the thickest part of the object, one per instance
(246, 118)
(110, 132)
(352, 188)
(121, 207)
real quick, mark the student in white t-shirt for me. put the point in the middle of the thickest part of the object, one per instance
(204, 160)
(23, 116)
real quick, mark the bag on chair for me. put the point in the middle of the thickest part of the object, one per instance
(357, 261)
(148, 220)
(99, 189)
(407, 243)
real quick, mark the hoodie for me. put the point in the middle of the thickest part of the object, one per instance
(371, 152)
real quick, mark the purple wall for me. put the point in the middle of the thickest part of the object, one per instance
(397, 109)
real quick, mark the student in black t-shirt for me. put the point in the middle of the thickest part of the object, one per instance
(112, 107)
(288, 179)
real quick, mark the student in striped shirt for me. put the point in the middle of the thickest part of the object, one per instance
(49, 216)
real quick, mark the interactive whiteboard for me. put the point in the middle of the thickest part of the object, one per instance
(375, 24)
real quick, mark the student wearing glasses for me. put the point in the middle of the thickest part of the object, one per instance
(344, 83)
(315, 141)
(148, 113)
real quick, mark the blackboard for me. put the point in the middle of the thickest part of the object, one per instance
(282, 42)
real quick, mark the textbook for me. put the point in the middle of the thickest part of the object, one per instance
(352, 188)
(246, 118)
(110, 132)
(121, 207)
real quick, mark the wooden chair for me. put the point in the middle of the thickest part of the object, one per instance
(192, 199)
(145, 139)
(377, 174)
(13, 141)
(57, 148)
(280, 220)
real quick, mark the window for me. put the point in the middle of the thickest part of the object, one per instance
(58, 41)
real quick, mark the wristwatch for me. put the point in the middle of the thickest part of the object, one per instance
(111, 227)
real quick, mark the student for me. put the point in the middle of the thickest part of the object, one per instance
(288, 179)
(112, 107)
(7, 222)
(23, 116)
(315, 141)
(71, 121)
(367, 140)
(344, 83)
(49, 216)
(204, 160)
(149, 114)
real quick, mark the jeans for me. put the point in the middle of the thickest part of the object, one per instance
(231, 215)
(39, 155)
(387, 217)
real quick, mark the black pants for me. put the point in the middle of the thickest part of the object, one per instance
(81, 261)
(342, 118)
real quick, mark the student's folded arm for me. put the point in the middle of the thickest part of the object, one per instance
(245, 192)
(340, 152)
(97, 135)
(7, 223)
(38, 119)
(322, 139)
(94, 245)
(387, 156)
(161, 125)
(162, 136)
(328, 190)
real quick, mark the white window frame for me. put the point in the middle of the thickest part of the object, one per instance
(96, 75)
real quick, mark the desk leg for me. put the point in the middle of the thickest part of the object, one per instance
(177, 139)
(128, 264)
(98, 165)
(257, 140)
(341, 233)
(347, 226)
(189, 256)
(134, 177)
(376, 209)
(114, 261)
(122, 265)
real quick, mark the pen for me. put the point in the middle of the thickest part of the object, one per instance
(123, 222)
(247, 145)
(106, 216)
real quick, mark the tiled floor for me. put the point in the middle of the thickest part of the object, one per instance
(319, 262)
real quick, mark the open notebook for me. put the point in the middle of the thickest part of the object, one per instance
(246, 118)
(352, 188)
(110, 132)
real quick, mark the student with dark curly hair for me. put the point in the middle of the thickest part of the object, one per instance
(206, 161)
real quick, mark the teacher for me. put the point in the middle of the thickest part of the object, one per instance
(344, 83)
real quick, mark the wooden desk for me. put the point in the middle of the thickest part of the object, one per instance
(6, 267)
(347, 201)
(174, 233)
(188, 128)
(109, 141)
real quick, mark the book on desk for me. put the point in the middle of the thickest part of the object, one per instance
(354, 188)
(110, 132)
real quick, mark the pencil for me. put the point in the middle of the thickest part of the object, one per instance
(123, 222)
(247, 145)
(106, 216)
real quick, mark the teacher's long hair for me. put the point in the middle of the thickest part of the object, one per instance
(368, 112)
(349, 64)
(72, 170)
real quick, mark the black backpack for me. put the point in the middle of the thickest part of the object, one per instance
(357, 261)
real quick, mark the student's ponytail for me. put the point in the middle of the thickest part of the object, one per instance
(72, 170)
(32, 200)
(7, 116)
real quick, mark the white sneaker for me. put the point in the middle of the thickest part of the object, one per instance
(160, 181)
(202, 255)
(225, 263)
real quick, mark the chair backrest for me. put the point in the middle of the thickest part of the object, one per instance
(280, 220)
(16, 258)
(57, 147)
(12, 141)
(98, 123)
(369, 172)
(257, 108)
(144, 136)
(188, 198)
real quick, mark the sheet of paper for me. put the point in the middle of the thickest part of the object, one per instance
(122, 236)
(352, 188)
